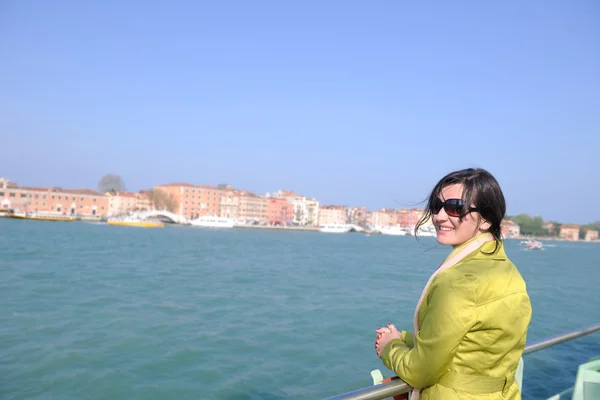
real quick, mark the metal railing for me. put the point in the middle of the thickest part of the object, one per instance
(389, 389)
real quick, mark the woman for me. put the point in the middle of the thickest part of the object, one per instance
(472, 317)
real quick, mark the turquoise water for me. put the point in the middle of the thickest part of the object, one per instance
(95, 311)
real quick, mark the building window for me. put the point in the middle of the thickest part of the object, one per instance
(23, 195)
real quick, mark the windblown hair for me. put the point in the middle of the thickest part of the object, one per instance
(481, 190)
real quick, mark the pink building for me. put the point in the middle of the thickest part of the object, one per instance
(410, 218)
(279, 211)
(591, 235)
(569, 232)
(331, 215)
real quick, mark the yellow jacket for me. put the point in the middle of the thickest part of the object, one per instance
(473, 325)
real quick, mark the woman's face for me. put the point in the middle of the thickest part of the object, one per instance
(451, 230)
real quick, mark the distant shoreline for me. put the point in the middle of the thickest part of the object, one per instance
(279, 227)
(316, 229)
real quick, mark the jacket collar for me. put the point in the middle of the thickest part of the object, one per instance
(486, 251)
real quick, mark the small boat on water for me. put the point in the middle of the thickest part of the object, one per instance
(427, 230)
(394, 231)
(211, 221)
(134, 221)
(533, 245)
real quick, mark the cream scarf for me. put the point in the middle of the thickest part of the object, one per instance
(453, 258)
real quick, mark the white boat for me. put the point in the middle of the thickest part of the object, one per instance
(213, 222)
(535, 245)
(336, 228)
(394, 230)
(427, 230)
(135, 221)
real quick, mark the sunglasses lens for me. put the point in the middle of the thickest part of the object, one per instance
(436, 205)
(454, 207)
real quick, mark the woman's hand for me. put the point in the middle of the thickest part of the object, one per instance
(384, 335)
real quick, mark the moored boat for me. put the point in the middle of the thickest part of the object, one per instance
(335, 228)
(394, 230)
(40, 216)
(133, 221)
(210, 221)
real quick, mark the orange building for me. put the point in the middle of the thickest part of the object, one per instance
(279, 211)
(76, 202)
(510, 229)
(193, 201)
(252, 208)
(569, 232)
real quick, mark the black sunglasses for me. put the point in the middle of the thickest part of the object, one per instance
(453, 207)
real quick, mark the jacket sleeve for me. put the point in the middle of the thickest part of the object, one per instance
(449, 316)
(407, 338)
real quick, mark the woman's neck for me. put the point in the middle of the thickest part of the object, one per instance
(485, 236)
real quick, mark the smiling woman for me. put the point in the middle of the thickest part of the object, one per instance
(471, 321)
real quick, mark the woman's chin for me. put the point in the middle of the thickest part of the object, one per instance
(444, 238)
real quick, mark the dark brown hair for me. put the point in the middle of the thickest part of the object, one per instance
(481, 190)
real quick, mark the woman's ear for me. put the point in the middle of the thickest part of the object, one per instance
(484, 226)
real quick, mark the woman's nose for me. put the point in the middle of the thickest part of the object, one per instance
(441, 216)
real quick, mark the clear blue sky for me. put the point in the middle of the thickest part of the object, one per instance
(351, 102)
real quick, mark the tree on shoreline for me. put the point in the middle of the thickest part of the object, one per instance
(161, 200)
(530, 226)
(111, 183)
(534, 226)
